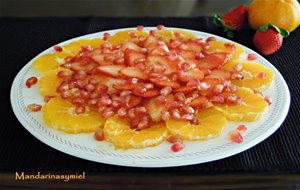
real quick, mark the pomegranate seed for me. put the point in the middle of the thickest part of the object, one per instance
(119, 60)
(211, 39)
(180, 96)
(261, 75)
(176, 147)
(203, 86)
(133, 80)
(86, 48)
(173, 104)
(94, 95)
(132, 34)
(230, 47)
(93, 81)
(48, 98)
(134, 123)
(255, 91)
(166, 91)
(231, 99)
(235, 137)
(106, 36)
(99, 135)
(237, 68)
(140, 110)
(122, 112)
(92, 102)
(199, 41)
(79, 84)
(160, 27)
(232, 87)
(144, 124)
(188, 109)
(79, 109)
(268, 100)
(141, 89)
(131, 113)
(109, 58)
(241, 128)
(101, 109)
(140, 28)
(217, 99)
(34, 107)
(237, 76)
(194, 121)
(31, 81)
(140, 60)
(173, 77)
(77, 100)
(90, 87)
(66, 65)
(165, 115)
(116, 47)
(104, 101)
(101, 88)
(84, 94)
(183, 46)
(161, 99)
(176, 114)
(65, 94)
(149, 86)
(251, 57)
(187, 117)
(218, 89)
(116, 104)
(58, 48)
(193, 82)
(62, 74)
(107, 113)
(106, 46)
(175, 138)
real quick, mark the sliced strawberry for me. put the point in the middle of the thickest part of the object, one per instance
(109, 82)
(214, 60)
(132, 46)
(124, 86)
(191, 74)
(185, 89)
(134, 72)
(150, 40)
(158, 49)
(200, 102)
(193, 46)
(109, 70)
(157, 61)
(186, 54)
(100, 59)
(76, 66)
(141, 91)
(132, 56)
(219, 74)
(155, 109)
(164, 83)
(133, 101)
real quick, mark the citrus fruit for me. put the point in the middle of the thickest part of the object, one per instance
(118, 132)
(282, 13)
(233, 48)
(252, 71)
(74, 47)
(124, 36)
(60, 114)
(211, 124)
(167, 35)
(49, 82)
(251, 109)
(48, 62)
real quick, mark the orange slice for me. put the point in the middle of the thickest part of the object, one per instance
(250, 72)
(167, 35)
(74, 47)
(124, 36)
(218, 46)
(49, 82)
(60, 114)
(211, 124)
(117, 131)
(251, 109)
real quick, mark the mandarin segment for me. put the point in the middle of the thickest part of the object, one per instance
(124, 36)
(74, 47)
(211, 124)
(251, 109)
(251, 70)
(167, 35)
(118, 132)
(60, 114)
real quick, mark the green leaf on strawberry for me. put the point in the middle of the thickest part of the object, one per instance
(282, 31)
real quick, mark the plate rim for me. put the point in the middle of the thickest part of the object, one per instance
(242, 147)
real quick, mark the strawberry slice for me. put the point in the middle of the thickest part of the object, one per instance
(100, 59)
(193, 46)
(164, 83)
(219, 74)
(158, 49)
(191, 74)
(133, 101)
(132, 56)
(110, 70)
(186, 54)
(150, 40)
(147, 93)
(132, 46)
(124, 86)
(214, 60)
(133, 72)
(185, 89)
(109, 82)
(155, 109)
(157, 61)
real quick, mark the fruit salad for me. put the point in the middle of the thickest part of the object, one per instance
(137, 89)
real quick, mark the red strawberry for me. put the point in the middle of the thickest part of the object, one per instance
(110, 70)
(132, 57)
(232, 20)
(268, 39)
(134, 72)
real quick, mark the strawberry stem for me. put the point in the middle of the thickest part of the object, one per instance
(282, 31)
(217, 21)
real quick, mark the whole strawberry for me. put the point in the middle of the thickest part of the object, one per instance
(268, 39)
(232, 20)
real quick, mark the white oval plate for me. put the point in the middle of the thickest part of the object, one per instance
(84, 146)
